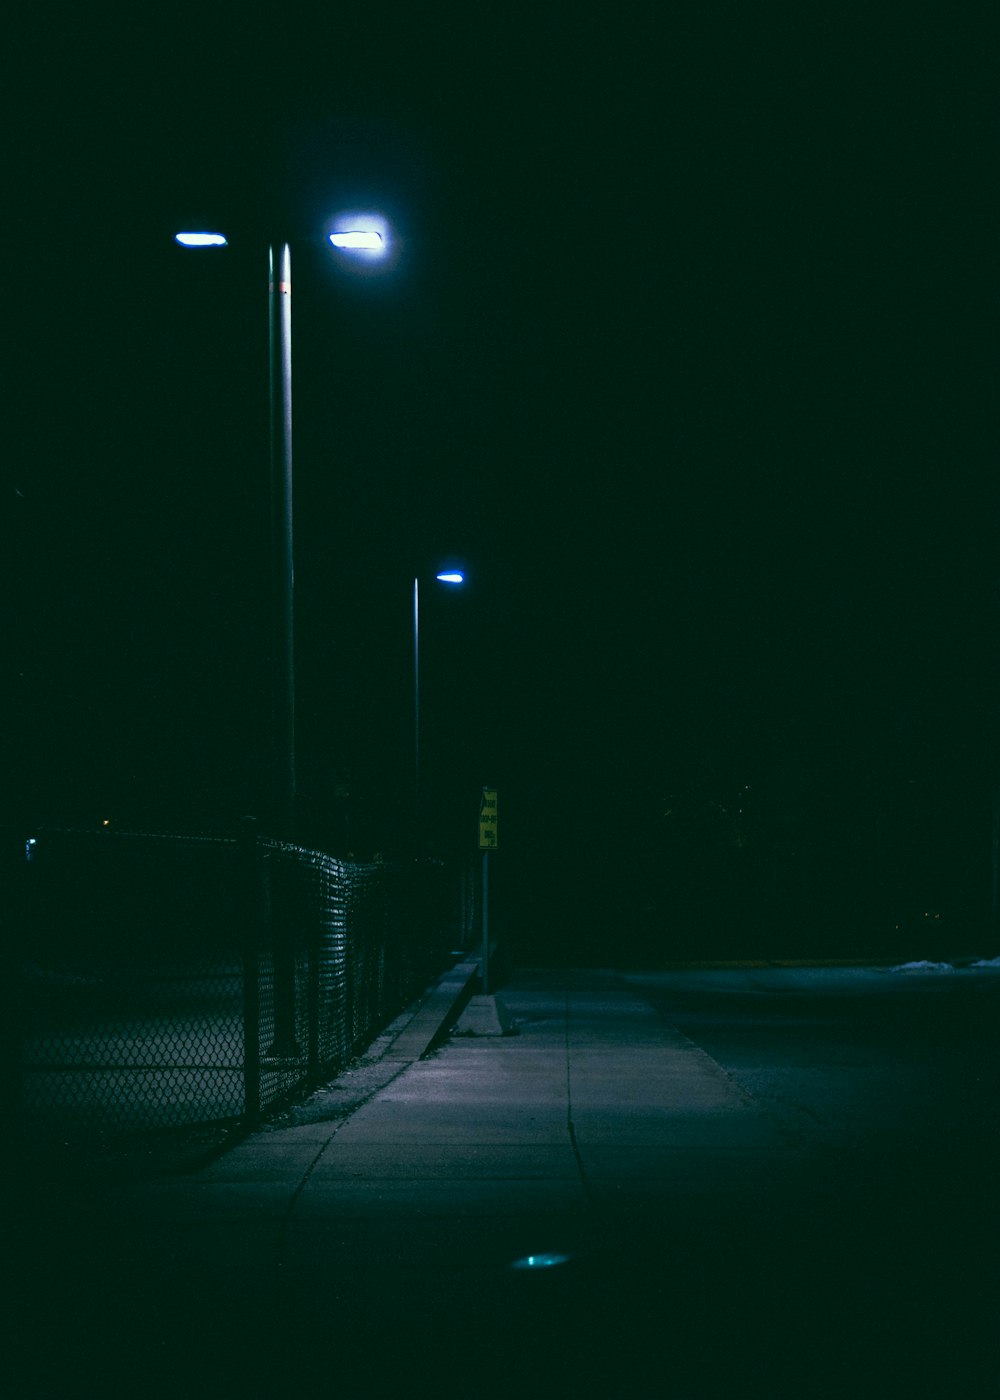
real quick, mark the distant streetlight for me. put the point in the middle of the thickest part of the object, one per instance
(453, 577)
(362, 237)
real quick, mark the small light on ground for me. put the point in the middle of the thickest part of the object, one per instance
(540, 1261)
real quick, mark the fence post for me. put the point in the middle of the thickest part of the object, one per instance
(254, 908)
(285, 1045)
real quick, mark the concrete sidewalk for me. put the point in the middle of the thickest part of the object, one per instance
(588, 1206)
(531, 1211)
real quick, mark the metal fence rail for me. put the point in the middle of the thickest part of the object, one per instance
(164, 981)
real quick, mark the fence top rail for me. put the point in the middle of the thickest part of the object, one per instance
(271, 845)
(122, 834)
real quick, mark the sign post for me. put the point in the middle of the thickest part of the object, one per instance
(487, 843)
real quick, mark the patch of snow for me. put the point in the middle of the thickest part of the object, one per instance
(923, 966)
(987, 962)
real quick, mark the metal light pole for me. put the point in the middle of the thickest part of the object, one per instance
(279, 317)
(282, 558)
(416, 710)
(452, 577)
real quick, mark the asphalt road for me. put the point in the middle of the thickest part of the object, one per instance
(857, 1060)
(891, 1080)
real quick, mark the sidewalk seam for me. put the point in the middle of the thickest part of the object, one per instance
(293, 1200)
(592, 1201)
(460, 977)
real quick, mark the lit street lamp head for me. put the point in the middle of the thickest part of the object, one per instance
(201, 240)
(358, 240)
(363, 237)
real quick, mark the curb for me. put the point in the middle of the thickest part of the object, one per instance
(420, 1030)
(438, 1011)
(722, 964)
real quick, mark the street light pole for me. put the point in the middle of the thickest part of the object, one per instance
(279, 309)
(416, 710)
(450, 577)
(282, 556)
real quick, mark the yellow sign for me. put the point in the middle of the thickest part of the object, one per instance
(488, 820)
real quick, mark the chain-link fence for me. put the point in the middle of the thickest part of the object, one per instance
(165, 981)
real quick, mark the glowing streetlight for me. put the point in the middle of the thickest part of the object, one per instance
(363, 237)
(358, 241)
(201, 240)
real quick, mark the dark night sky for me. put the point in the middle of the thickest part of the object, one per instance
(689, 351)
